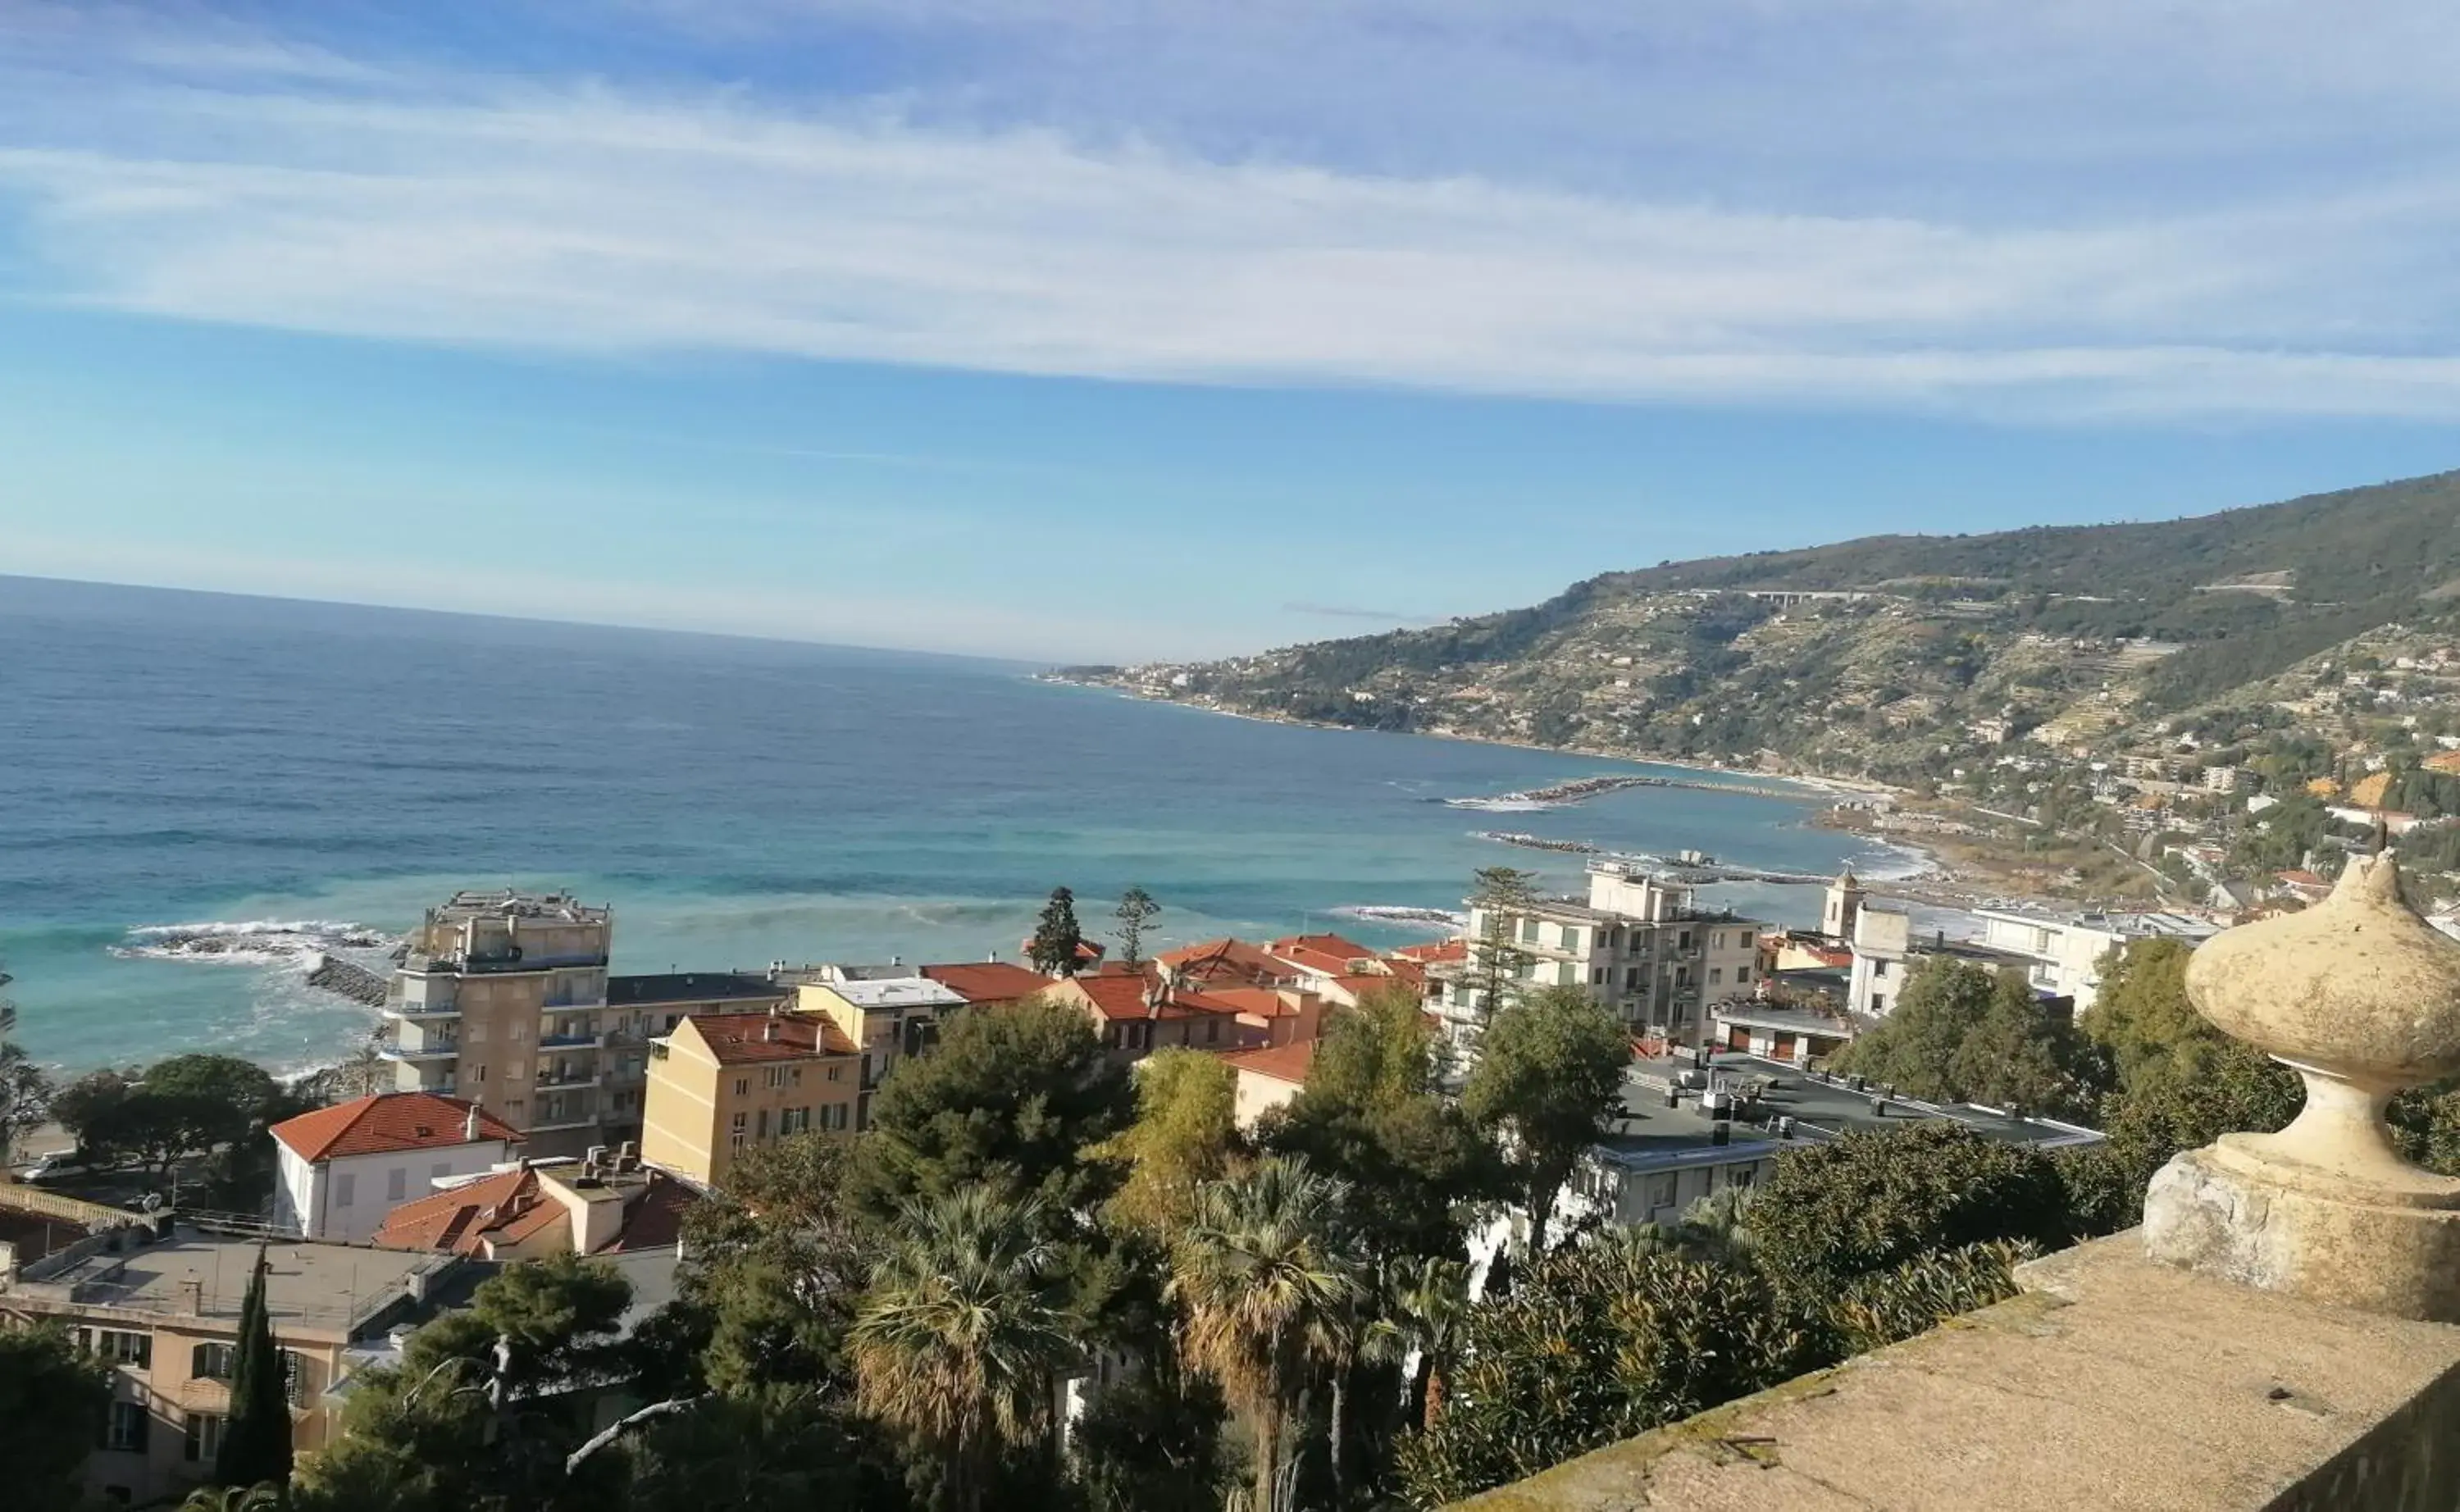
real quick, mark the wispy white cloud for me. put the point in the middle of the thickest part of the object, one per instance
(604, 218)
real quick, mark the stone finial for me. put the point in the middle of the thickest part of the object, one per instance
(2361, 998)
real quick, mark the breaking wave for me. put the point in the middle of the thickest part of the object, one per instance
(254, 941)
(1384, 913)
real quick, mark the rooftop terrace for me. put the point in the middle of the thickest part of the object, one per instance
(198, 1275)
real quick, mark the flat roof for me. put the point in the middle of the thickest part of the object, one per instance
(1791, 1020)
(1646, 1132)
(2146, 923)
(896, 991)
(318, 1285)
(692, 986)
(509, 903)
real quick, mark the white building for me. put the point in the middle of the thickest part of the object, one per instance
(2060, 954)
(340, 1170)
(1639, 945)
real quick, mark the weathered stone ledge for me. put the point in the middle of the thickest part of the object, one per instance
(2112, 1382)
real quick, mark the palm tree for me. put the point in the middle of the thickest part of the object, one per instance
(1265, 1283)
(1427, 1312)
(957, 1339)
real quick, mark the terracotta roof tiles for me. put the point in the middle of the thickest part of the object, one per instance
(387, 1122)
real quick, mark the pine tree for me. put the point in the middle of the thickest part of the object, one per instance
(1056, 939)
(256, 1441)
(1137, 909)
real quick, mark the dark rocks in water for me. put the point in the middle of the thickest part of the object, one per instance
(348, 979)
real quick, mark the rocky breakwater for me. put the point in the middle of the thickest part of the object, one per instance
(347, 979)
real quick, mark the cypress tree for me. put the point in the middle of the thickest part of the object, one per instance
(256, 1441)
(1056, 938)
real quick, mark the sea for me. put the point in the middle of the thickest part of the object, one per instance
(199, 794)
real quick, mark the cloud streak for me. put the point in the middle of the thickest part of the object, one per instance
(308, 191)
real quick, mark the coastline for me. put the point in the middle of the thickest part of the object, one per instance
(1819, 784)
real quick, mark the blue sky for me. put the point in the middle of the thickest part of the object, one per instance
(1110, 329)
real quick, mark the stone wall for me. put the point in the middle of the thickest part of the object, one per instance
(2112, 1382)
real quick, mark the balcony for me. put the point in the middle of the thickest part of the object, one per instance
(571, 1041)
(430, 1051)
(557, 1082)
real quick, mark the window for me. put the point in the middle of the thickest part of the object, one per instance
(794, 1075)
(1683, 941)
(346, 1186)
(473, 1032)
(1598, 977)
(1661, 1192)
(515, 1108)
(760, 1125)
(742, 1121)
(1631, 979)
(1878, 969)
(118, 1347)
(204, 1431)
(836, 1073)
(397, 1185)
(1571, 937)
(792, 1120)
(1213, 1030)
(1741, 1175)
(212, 1361)
(1716, 976)
(517, 1071)
(1880, 1003)
(743, 1086)
(520, 1029)
(124, 1428)
(1529, 931)
(480, 1075)
(1741, 974)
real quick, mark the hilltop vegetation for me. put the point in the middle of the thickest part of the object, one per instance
(1925, 650)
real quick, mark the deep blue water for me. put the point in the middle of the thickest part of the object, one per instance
(171, 758)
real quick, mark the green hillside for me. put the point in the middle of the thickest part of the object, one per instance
(1944, 639)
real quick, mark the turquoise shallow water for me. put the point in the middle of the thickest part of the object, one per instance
(183, 760)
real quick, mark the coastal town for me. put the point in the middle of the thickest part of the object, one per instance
(522, 1102)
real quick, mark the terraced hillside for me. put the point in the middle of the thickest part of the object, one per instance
(1892, 655)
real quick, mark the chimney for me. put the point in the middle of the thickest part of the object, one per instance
(1721, 1134)
(192, 1298)
(769, 1030)
(469, 1125)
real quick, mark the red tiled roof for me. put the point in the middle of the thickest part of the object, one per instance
(387, 1122)
(989, 981)
(1256, 1002)
(511, 1207)
(1123, 997)
(1332, 944)
(1360, 985)
(1281, 1062)
(1402, 970)
(1433, 952)
(1226, 960)
(736, 1038)
(2303, 878)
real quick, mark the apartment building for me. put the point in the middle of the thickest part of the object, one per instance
(500, 1000)
(160, 1308)
(886, 1017)
(724, 1082)
(1638, 943)
(2059, 954)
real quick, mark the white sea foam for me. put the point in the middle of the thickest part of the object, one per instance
(249, 942)
(1502, 805)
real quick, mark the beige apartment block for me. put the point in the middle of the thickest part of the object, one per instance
(886, 1017)
(162, 1313)
(501, 1000)
(722, 1083)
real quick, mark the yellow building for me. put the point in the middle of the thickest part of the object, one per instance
(162, 1313)
(885, 1018)
(722, 1082)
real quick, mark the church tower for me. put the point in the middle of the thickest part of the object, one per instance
(1843, 906)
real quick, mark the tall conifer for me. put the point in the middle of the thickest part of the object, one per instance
(256, 1440)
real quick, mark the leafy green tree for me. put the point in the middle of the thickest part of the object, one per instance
(774, 1264)
(957, 1339)
(1186, 1133)
(1135, 911)
(1500, 896)
(789, 1448)
(1373, 1115)
(51, 1403)
(1155, 1440)
(1010, 1100)
(1875, 1199)
(1261, 1272)
(1598, 1342)
(256, 1440)
(1057, 941)
(1962, 1034)
(1548, 1071)
(474, 1416)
